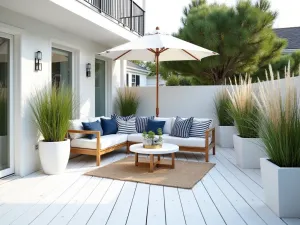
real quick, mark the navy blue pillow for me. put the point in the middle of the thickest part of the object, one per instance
(154, 125)
(96, 126)
(109, 126)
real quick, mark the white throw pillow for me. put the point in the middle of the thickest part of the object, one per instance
(168, 124)
(76, 125)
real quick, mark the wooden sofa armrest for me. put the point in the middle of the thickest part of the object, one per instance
(98, 135)
(211, 131)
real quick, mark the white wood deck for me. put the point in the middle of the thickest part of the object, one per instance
(226, 195)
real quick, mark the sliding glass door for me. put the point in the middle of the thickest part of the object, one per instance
(100, 95)
(6, 155)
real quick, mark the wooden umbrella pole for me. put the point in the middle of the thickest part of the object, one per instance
(157, 82)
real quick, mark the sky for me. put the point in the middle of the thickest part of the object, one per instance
(167, 13)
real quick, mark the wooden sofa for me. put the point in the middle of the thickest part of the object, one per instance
(98, 151)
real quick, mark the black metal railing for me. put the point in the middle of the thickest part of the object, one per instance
(126, 12)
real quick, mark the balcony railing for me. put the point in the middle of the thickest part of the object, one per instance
(126, 12)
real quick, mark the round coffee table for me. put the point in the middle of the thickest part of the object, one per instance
(166, 149)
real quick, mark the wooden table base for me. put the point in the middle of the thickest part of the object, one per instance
(153, 164)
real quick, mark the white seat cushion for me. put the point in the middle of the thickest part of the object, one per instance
(76, 125)
(186, 142)
(105, 141)
(135, 137)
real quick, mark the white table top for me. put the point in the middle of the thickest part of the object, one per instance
(166, 149)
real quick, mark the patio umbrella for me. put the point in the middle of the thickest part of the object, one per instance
(158, 47)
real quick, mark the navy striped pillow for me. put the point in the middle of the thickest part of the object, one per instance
(141, 123)
(126, 127)
(199, 127)
(182, 127)
(124, 118)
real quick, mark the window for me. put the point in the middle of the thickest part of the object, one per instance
(127, 80)
(135, 80)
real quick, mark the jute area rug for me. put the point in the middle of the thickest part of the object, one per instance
(185, 175)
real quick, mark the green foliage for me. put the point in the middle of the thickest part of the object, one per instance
(127, 101)
(185, 81)
(241, 34)
(280, 65)
(151, 135)
(52, 109)
(280, 121)
(3, 111)
(243, 108)
(172, 81)
(222, 108)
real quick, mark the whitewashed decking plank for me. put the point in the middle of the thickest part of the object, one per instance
(249, 172)
(254, 187)
(7, 179)
(46, 216)
(261, 209)
(122, 207)
(138, 211)
(87, 209)
(156, 207)
(66, 214)
(101, 214)
(208, 208)
(291, 221)
(173, 208)
(192, 213)
(245, 211)
(230, 215)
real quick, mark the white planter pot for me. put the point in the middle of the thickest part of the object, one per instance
(248, 152)
(224, 136)
(3, 152)
(281, 188)
(54, 156)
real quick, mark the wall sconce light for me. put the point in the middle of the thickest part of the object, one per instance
(37, 63)
(88, 70)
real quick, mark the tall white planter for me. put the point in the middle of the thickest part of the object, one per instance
(281, 188)
(248, 152)
(224, 136)
(54, 156)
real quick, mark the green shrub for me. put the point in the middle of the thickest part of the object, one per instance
(280, 121)
(172, 81)
(52, 109)
(127, 101)
(243, 108)
(222, 108)
(185, 81)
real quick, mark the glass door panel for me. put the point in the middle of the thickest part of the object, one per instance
(61, 68)
(100, 87)
(6, 166)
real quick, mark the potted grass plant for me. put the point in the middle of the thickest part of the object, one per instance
(127, 101)
(226, 128)
(52, 109)
(247, 144)
(279, 114)
(3, 127)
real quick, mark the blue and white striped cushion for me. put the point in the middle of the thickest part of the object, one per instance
(199, 127)
(141, 123)
(124, 118)
(126, 127)
(182, 127)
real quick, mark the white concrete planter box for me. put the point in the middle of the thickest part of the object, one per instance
(248, 152)
(281, 188)
(224, 136)
(54, 156)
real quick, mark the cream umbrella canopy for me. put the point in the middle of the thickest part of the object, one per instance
(158, 47)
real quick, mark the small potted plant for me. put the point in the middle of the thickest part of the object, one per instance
(52, 109)
(151, 140)
(226, 128)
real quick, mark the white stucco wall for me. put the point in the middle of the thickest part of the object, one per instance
(30, 36)
(186, 101)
